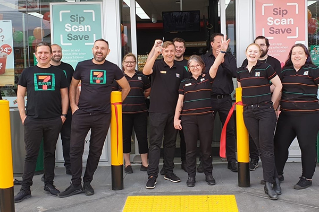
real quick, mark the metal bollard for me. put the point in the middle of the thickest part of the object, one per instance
(116, 141)
(6, 168)
(242, 143)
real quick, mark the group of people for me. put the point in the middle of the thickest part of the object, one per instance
(185, 96)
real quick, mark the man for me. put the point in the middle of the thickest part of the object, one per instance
(66, 127)
(221, 94)
(179, 44)
(93, 112)
(263, 42)
(47, 106)
(166, 76)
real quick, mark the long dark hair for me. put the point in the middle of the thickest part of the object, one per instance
(289, 62)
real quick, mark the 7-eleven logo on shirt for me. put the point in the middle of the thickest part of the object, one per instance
(98, 77)
(44, 82)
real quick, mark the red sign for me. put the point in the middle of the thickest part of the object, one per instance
(283, 23)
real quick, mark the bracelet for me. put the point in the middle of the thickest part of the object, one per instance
(64, 115)
(223, 52)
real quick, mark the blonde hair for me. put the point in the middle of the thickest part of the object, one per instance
(167, 43)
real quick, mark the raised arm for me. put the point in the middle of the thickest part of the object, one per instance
(213, 69)
(148, 68)
(157, 43)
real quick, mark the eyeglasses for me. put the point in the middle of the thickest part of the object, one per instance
(129, 62)
(197, 66)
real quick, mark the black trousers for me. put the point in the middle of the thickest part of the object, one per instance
(182, 145)
(34, 131)
(161, 124)
(253, 150)
(198, 126)
(82, 122)
(305, 126)
(222, 107)
(138, 121)
(260, 121)
(66, 137)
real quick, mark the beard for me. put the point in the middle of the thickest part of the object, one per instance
(99, 59)
(56, 59)
(264, 53)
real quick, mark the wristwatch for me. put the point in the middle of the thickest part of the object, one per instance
(64, 115)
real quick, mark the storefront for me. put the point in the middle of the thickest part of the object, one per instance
(132, 26)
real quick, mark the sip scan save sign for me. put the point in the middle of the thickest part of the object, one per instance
(75, 27)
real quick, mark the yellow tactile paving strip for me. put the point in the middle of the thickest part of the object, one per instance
(195, 203)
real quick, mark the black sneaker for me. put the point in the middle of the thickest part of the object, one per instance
(143, 168)
(253, 165)
(151, 182)
(71, 190)
(303, 183)
(200, 168)
(22, 195)
(128, 169)
(172, 177)
(51, 189)
(88, 190)
(191, 182)
(210, 179)
(232, 165)
(162, 172)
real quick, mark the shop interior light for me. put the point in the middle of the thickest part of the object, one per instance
(38, 15)
(139, 10)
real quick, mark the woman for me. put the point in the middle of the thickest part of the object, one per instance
(196, 113)
(259, 113)
(135, 112)
(299, 113)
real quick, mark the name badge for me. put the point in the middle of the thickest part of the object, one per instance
(177, 75)
(305, 73)
(163, 72)
(257, 74)
(188, 84)
(139, 78)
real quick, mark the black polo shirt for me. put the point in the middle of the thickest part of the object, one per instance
(197, 95)
(299, 92)
(223, 83)
(256, 83)
(165, 82)
(96, 84)
(275, 64)
(182, 63)
(135, 100)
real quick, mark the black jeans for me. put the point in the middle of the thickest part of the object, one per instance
(139, 122)
(260, 121)
(182, 145)
(82, 122)
(222, 107)
(253, 150)
(34, 131)
(161, 124)
(198, 126)
(305, 126)
(66, 137)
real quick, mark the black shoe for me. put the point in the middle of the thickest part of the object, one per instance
(200, 168)
(128, 169)
(270, 191)
(162, 172)
(232, 165)
(51, 189)
(253, 165)
(303, 183)
(143, 168)
(277, 187)
(68, 171)
(210, 179)
(71, 190)
(22, 195)
(88, 190)
(190, 182)
(151, 182)
(280, 178)
(183, 166)
(172, 177)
